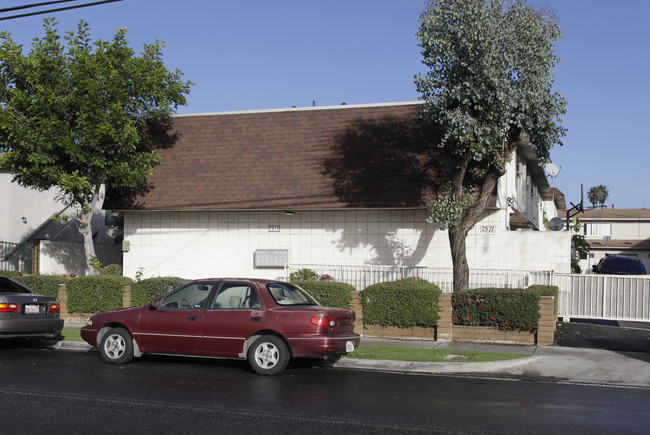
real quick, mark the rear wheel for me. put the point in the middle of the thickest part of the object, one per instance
(116, 346)
(268, 355)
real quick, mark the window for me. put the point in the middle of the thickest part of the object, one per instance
(598, 229)
(190, 297)
(236, 296)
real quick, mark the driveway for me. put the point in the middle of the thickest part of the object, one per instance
(604, 334)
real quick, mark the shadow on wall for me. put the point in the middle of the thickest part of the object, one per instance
(387, 163)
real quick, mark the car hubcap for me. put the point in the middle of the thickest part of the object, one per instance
(114, 346)
(267, 355)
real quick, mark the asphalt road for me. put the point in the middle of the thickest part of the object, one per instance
(73, 392)
(604, 334)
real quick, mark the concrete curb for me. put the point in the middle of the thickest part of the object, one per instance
(433, 368)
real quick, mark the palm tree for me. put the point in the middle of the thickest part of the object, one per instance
(598, 195)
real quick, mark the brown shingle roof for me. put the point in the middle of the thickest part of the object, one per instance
(297, 158)
(613, 214)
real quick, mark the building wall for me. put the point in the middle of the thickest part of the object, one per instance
(18, 202)
(68, 258)
(223, 243)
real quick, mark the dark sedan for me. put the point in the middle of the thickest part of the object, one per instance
(26, 314)
(265, 322)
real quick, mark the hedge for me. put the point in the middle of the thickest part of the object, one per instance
(96, 293)
(47, 285)
(405, 303)
(504, 309)
(328, 293)
(143, 292)
(13, 274)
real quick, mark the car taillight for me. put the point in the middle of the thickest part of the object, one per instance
(55, 308)
(323, 321)
(8, 308)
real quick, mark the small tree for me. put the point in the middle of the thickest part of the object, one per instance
(84, 114)
(489, 86)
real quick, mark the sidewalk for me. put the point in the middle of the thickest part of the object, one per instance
(541, 363)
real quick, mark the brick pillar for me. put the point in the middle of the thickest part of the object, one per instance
(126, 296)
(547, 321)
(355, 305)
(63, 301)
(445, 324)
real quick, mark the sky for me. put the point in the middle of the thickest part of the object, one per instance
(261, 54)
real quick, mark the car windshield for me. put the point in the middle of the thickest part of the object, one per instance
(8, 286)
(289, 294)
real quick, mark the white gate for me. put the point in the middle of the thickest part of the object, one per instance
(611, 297)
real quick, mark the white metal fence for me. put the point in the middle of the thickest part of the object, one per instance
(361, 277)
(612, 297)
(589, 296)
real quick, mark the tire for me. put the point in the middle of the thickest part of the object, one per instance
(116, 346)
(268, 355)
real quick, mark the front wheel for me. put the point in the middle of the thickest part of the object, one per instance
(268, 355)
(116, 346)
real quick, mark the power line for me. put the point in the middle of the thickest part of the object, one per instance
(67, 8)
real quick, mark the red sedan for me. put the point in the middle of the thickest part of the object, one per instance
(265, 322)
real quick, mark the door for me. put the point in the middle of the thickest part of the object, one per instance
(175, 326)
(235, 315)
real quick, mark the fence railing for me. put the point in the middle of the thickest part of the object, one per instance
(612, 297)
(361, 277)
(18, 256)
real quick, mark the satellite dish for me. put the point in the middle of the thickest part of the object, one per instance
(552, 169)
(556, 224)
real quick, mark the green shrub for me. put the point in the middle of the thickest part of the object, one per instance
(13, 274)
(404, 303)
(328, 293)
(546, 290)
(111, 269)
(96, 293)
(144, 291)
(303, 275)
(504, 309)
(47, 285)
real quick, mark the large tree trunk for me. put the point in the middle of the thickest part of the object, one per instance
(87, 231)
(458, 233)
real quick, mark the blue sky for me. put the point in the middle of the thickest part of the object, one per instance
(260, 54)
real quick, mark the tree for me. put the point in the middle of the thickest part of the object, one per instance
(598, 195)
(489, 86)
(83, 114)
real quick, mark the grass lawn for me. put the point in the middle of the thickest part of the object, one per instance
(70, 335)
(428, 355)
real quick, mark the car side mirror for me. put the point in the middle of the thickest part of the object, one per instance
(154, 304)
(594, 268)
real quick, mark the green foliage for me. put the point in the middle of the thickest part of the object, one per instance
(490, 76)
(446, 211)
(47, 285)
(94, 294)
(546, 290)
(505, 309)
(404, 303)
(80, 114)
(598, 195)
(303, 275)
(144, 291)
(13, 274)
(580, 247)
(111, 269)
(328, 293)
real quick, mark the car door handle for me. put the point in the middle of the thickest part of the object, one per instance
(193, 318)
(256, 319)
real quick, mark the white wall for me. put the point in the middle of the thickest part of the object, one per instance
(220, 244)
(66, 258)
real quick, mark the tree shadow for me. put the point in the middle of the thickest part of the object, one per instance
(161, 136)
(387, 163)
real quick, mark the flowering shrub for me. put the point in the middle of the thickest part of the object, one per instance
(504, 309)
